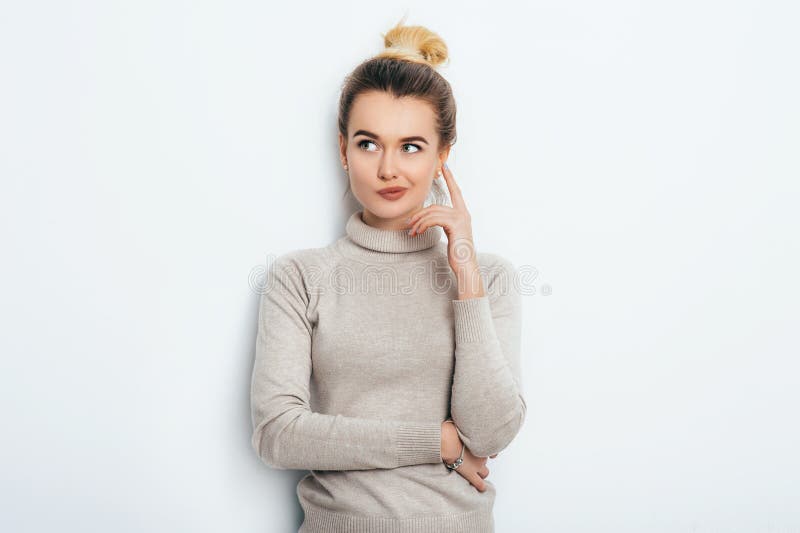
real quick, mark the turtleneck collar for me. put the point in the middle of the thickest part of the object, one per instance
(385, 241)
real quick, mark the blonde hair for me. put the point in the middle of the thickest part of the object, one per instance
(415, 44)
(407, 67)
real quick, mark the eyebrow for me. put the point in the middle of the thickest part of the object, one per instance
(404, 139)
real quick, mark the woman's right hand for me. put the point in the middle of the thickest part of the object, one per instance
(473, 468)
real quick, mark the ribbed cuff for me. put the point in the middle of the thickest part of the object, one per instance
(473, 320)
(419, 443)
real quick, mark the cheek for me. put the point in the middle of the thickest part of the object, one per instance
(418, 172)
(362, 179)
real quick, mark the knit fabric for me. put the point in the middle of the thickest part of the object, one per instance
(362, 351)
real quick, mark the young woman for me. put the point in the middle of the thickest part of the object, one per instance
(390, 359)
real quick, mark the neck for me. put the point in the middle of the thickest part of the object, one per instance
(388, 244)
(396, 223)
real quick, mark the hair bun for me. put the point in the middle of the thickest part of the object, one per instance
(414, 43)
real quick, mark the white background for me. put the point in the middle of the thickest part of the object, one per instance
(642, 157)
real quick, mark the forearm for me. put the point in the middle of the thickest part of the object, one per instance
(287, 434)
(469, 281)
(486, 398)
(451, 442)
(304, 440)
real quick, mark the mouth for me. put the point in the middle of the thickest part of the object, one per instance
(392, 193)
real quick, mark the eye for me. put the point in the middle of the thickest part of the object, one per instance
(416, 149)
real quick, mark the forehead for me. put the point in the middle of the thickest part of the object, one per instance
(390, 117)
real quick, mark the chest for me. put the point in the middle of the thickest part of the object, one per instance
(384, 341)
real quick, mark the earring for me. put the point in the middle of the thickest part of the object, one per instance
(345, 166)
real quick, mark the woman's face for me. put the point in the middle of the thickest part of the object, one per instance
(391, 143)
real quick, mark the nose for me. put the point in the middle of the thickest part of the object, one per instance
(387, 169)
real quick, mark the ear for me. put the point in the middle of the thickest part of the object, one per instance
(444, 153)
(342, 148)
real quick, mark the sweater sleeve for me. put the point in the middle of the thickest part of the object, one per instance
(486, 401)
(286, 433)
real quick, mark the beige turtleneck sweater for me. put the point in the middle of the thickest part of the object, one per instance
(362, 351)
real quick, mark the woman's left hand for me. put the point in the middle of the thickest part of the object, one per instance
(456, 222)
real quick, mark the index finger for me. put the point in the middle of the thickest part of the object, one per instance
(453, 188)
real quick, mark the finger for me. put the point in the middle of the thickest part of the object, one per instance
(477, 482)
(483, 472)
(455, 191)
(418, 221)
(416, 214)
(427, 220)
(424, 211)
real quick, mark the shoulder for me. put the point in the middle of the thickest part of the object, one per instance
(299, 271)
(495, 259)
(499, 272)
(301, 261)
(495, 264)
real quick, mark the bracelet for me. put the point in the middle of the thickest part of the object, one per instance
(457, 463)
(453, 466)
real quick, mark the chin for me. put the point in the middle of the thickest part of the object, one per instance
(388, 209)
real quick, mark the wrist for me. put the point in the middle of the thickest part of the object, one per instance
(451, 442)
(469, 281)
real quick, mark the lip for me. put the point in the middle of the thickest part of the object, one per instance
(392, 193)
